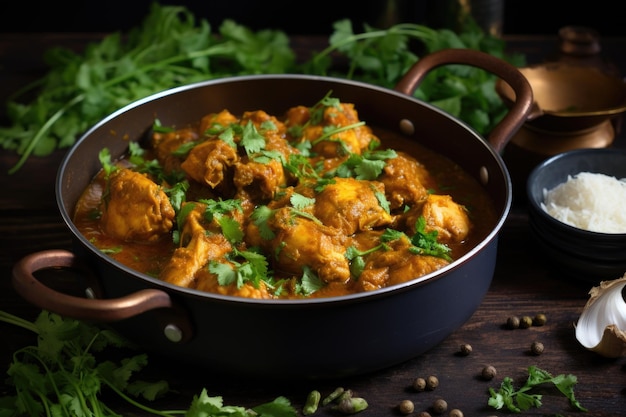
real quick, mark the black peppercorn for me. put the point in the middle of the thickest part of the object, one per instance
(406, 407)
(536, 348)
(440, 406)
(419, 384)
(525, 322)
(432, 382)
(465, 349)
(539, 320)
(489, 372)
(512, 322)
(455, 412)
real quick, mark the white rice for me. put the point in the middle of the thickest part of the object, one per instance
(589, 201)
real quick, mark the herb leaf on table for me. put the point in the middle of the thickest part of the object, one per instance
(521, 399)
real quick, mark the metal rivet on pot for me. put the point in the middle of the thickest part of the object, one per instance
(407, 127)
(173, 333)
(89, 293)
(484, 175)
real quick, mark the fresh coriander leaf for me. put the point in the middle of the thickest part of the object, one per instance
(231, 229)
(105, 160)
(251, 140)
(228, 136)
(382, 200)
(518, 400)
(183, 150)
(299, 202)
(214, 207)
(279, 407)
(260, 217)
(148, 390)
(226, 274)
(157, 127)
(265, 157)
(426, 242)
(177, 194)
(309, 283)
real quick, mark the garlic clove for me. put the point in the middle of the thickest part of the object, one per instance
(602, 324)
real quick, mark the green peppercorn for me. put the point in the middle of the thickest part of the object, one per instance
(525, 322)
(536, 348)
(440, 406)
(424, 414)
(512, 322)
(465, 349)
(346, 394)
(312, 402)
(489, 372)
(419, 384)
(455, 412)
(432, 382)
(406, 407)
(352, 405)
(539, 320)
(333, 396)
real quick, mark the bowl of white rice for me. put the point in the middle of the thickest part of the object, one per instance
(577, 212)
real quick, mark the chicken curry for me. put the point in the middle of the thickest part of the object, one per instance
(306, 205)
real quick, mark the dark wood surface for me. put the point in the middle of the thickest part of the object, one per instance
(524, 284)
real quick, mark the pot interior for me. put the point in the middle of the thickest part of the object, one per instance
(380, 108)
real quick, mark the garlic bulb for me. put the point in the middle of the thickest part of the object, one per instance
(602, 324)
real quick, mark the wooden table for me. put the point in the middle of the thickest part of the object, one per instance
(523, 285)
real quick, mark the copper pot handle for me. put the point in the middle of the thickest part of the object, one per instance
(519, 112)
(176, 324)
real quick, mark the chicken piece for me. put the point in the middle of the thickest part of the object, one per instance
(448, 218)
(353, 140)
(406, 181)
(301, 242)
(259, 174)
(351, 205)
(136, 209)
(261, 179)
(266, 123)
(389, 267)
(165, 144)
(220, 120)
(209, 162)
(297, 116)
(200, 244)
(207, 281)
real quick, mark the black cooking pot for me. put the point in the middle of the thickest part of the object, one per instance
(286, 339)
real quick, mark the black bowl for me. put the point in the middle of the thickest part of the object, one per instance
(587, 255)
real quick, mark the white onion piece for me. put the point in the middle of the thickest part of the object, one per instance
(601, 325)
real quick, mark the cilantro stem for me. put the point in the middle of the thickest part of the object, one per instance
(336, 131)
(164, 413)
(42, 130)
(17, 321)
(213, 50)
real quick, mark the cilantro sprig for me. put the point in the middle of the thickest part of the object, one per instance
(62, 376)
(522, 399)
(171, 48)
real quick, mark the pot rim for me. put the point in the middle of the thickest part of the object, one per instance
(381, 292)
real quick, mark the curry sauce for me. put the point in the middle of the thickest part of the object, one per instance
(314, 203)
